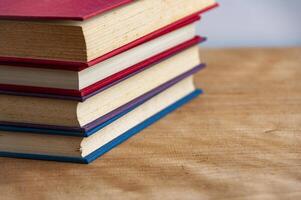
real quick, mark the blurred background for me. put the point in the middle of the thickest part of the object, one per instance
(253, 23)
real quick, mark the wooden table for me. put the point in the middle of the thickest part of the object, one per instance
(241, 140)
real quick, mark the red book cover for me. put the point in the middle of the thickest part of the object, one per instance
(56, 9)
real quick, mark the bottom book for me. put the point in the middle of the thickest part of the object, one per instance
(87, 149)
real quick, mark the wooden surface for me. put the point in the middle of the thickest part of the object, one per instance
(241, 140)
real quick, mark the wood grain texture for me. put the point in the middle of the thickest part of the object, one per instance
(241, 140)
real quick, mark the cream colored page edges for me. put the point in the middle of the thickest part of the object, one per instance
(38, 77)
(145, 17)
(135, 55)
(87, 40)
(38, 110)
(42, 40)
(40, 144)
(137, 85)
(138, 115)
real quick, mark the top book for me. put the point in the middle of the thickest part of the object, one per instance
(77, 31)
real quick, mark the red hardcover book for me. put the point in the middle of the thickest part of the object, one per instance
(75, 10)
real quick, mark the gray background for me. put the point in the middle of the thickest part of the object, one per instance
(251, 23)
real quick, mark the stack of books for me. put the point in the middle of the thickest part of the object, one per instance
(77, 78)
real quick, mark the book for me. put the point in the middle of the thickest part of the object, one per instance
(87, 149)
(80, 84)
(70, 113)
(79, 33)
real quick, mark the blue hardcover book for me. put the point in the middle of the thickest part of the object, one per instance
(85, 149)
